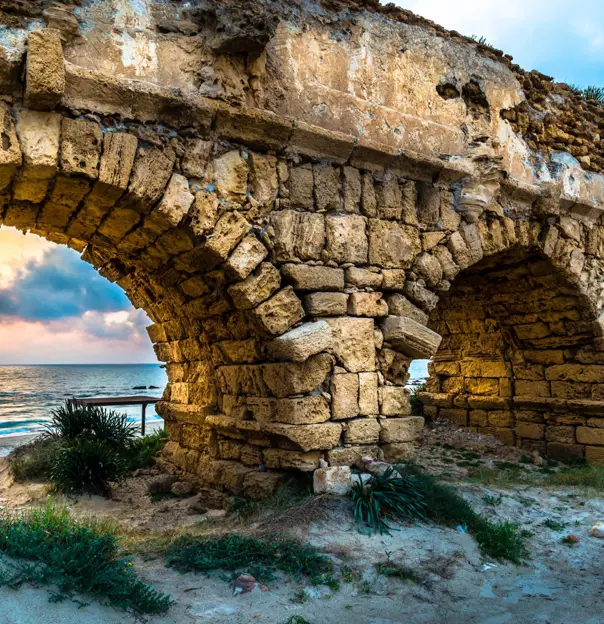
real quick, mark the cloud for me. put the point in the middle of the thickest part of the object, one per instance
(552, 36)
(59, 285)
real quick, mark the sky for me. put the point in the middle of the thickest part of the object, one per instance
(54, 308)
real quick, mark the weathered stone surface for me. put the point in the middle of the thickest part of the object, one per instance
(346, 238)
(401, 429)
(367, 304)
(81, 143)
(362, 431)
(44, 69)
(196, 157)
(302, 411)
(326, 304)
(261, 485)
(264, 179)
(345, 396)
(394, 401)
(392, 245)
(336, 480)
(398, 305)
(230, 229)
(323, 436)
(368, 394)
(298, 344)
(326, 187)
(411, 337)
(304, 277)
(364, 277)
(287, 379)
(256, 288)
(298, 235)
(245, 258)
(428, 268)
(280, 312)
(349, 455)
(291, 460)
(353, 343)
(10, 150)
(230, 177)
(399, 452)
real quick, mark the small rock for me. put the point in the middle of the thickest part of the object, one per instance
(571, 538)
(161, 485)
(597, 530)
(373, 466)
(537, 459)
(216, 513)
(196, 507)
(246, 583)
(182, 488)
(335, 480)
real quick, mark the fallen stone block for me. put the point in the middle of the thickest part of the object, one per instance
(410, 337)
(302, 342)
(336, 480)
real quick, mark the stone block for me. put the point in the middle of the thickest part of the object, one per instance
(501, 418)
(389, 198)
(323, 436)
(393, 279)
(594, 455)
(230, 229)
(363, 278)
(399, 452)
(204, 213)
(362, 431)
(349, 455)
(345, 396)
(484, 368)
(367, 304)
(352, 189)
(368, 197)
(401, 429)
(336, 480)
(291, 378)
(353, 343)
(256, 288)
(428, 268)
(532, 388)
(410, 337)
(590, 435)
(399, 305)
(298, 344)
(173, 207)
(196, 157)
(368, 394)
(301, 187)
(10, 150)
(264, 179)
(44, 69)
(326, 187)
(230, 177)
(421, 296)
(326, 304)
(304, 277)
(533, 431)
(506, 435)
(261, 485)
(392, 245)
(395, 401)
(564, 434)
(291, 460)
(576, 373)
(481, 386)
(346, 238)
(276, 315)
(457, 416)
(151, 172)
(298, 235)
(81, 143)
(245, 258)
(564, 452)
(302, 411)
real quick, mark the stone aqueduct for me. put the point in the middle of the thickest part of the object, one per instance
(303, 200)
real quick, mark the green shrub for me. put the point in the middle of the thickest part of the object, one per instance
(141, 452)
(416, 405)
(33, 461)
(238, 553)
(87, 466)
(391, 495)
(73, 422)
(75, 557)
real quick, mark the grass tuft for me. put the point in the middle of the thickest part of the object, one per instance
(296, 619)
(48, 547)
(261, 558)
(33, 461)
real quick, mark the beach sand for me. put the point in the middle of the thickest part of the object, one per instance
(10, 442)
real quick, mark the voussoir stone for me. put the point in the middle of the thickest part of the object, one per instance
(280, 312)
(298, 344)
(288, 378)
(410, 337)
(353, 342)
(304, 277)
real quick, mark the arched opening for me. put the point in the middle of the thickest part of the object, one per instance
(519, 356)
(66, 331)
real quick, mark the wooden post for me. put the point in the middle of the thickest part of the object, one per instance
(143, 420)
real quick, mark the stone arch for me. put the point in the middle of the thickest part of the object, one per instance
(520, 356)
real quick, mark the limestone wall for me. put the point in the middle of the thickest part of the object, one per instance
(298, 237)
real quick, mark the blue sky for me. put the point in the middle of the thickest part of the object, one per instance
(560, 38)
(55, 308)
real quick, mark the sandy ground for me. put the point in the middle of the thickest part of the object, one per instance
(558, 584)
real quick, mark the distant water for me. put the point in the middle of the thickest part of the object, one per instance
(29, 393)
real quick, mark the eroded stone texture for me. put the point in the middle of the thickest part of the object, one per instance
(296, 247)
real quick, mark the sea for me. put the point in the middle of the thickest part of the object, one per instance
(29, 393)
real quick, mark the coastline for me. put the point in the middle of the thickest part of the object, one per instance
(10, 442)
